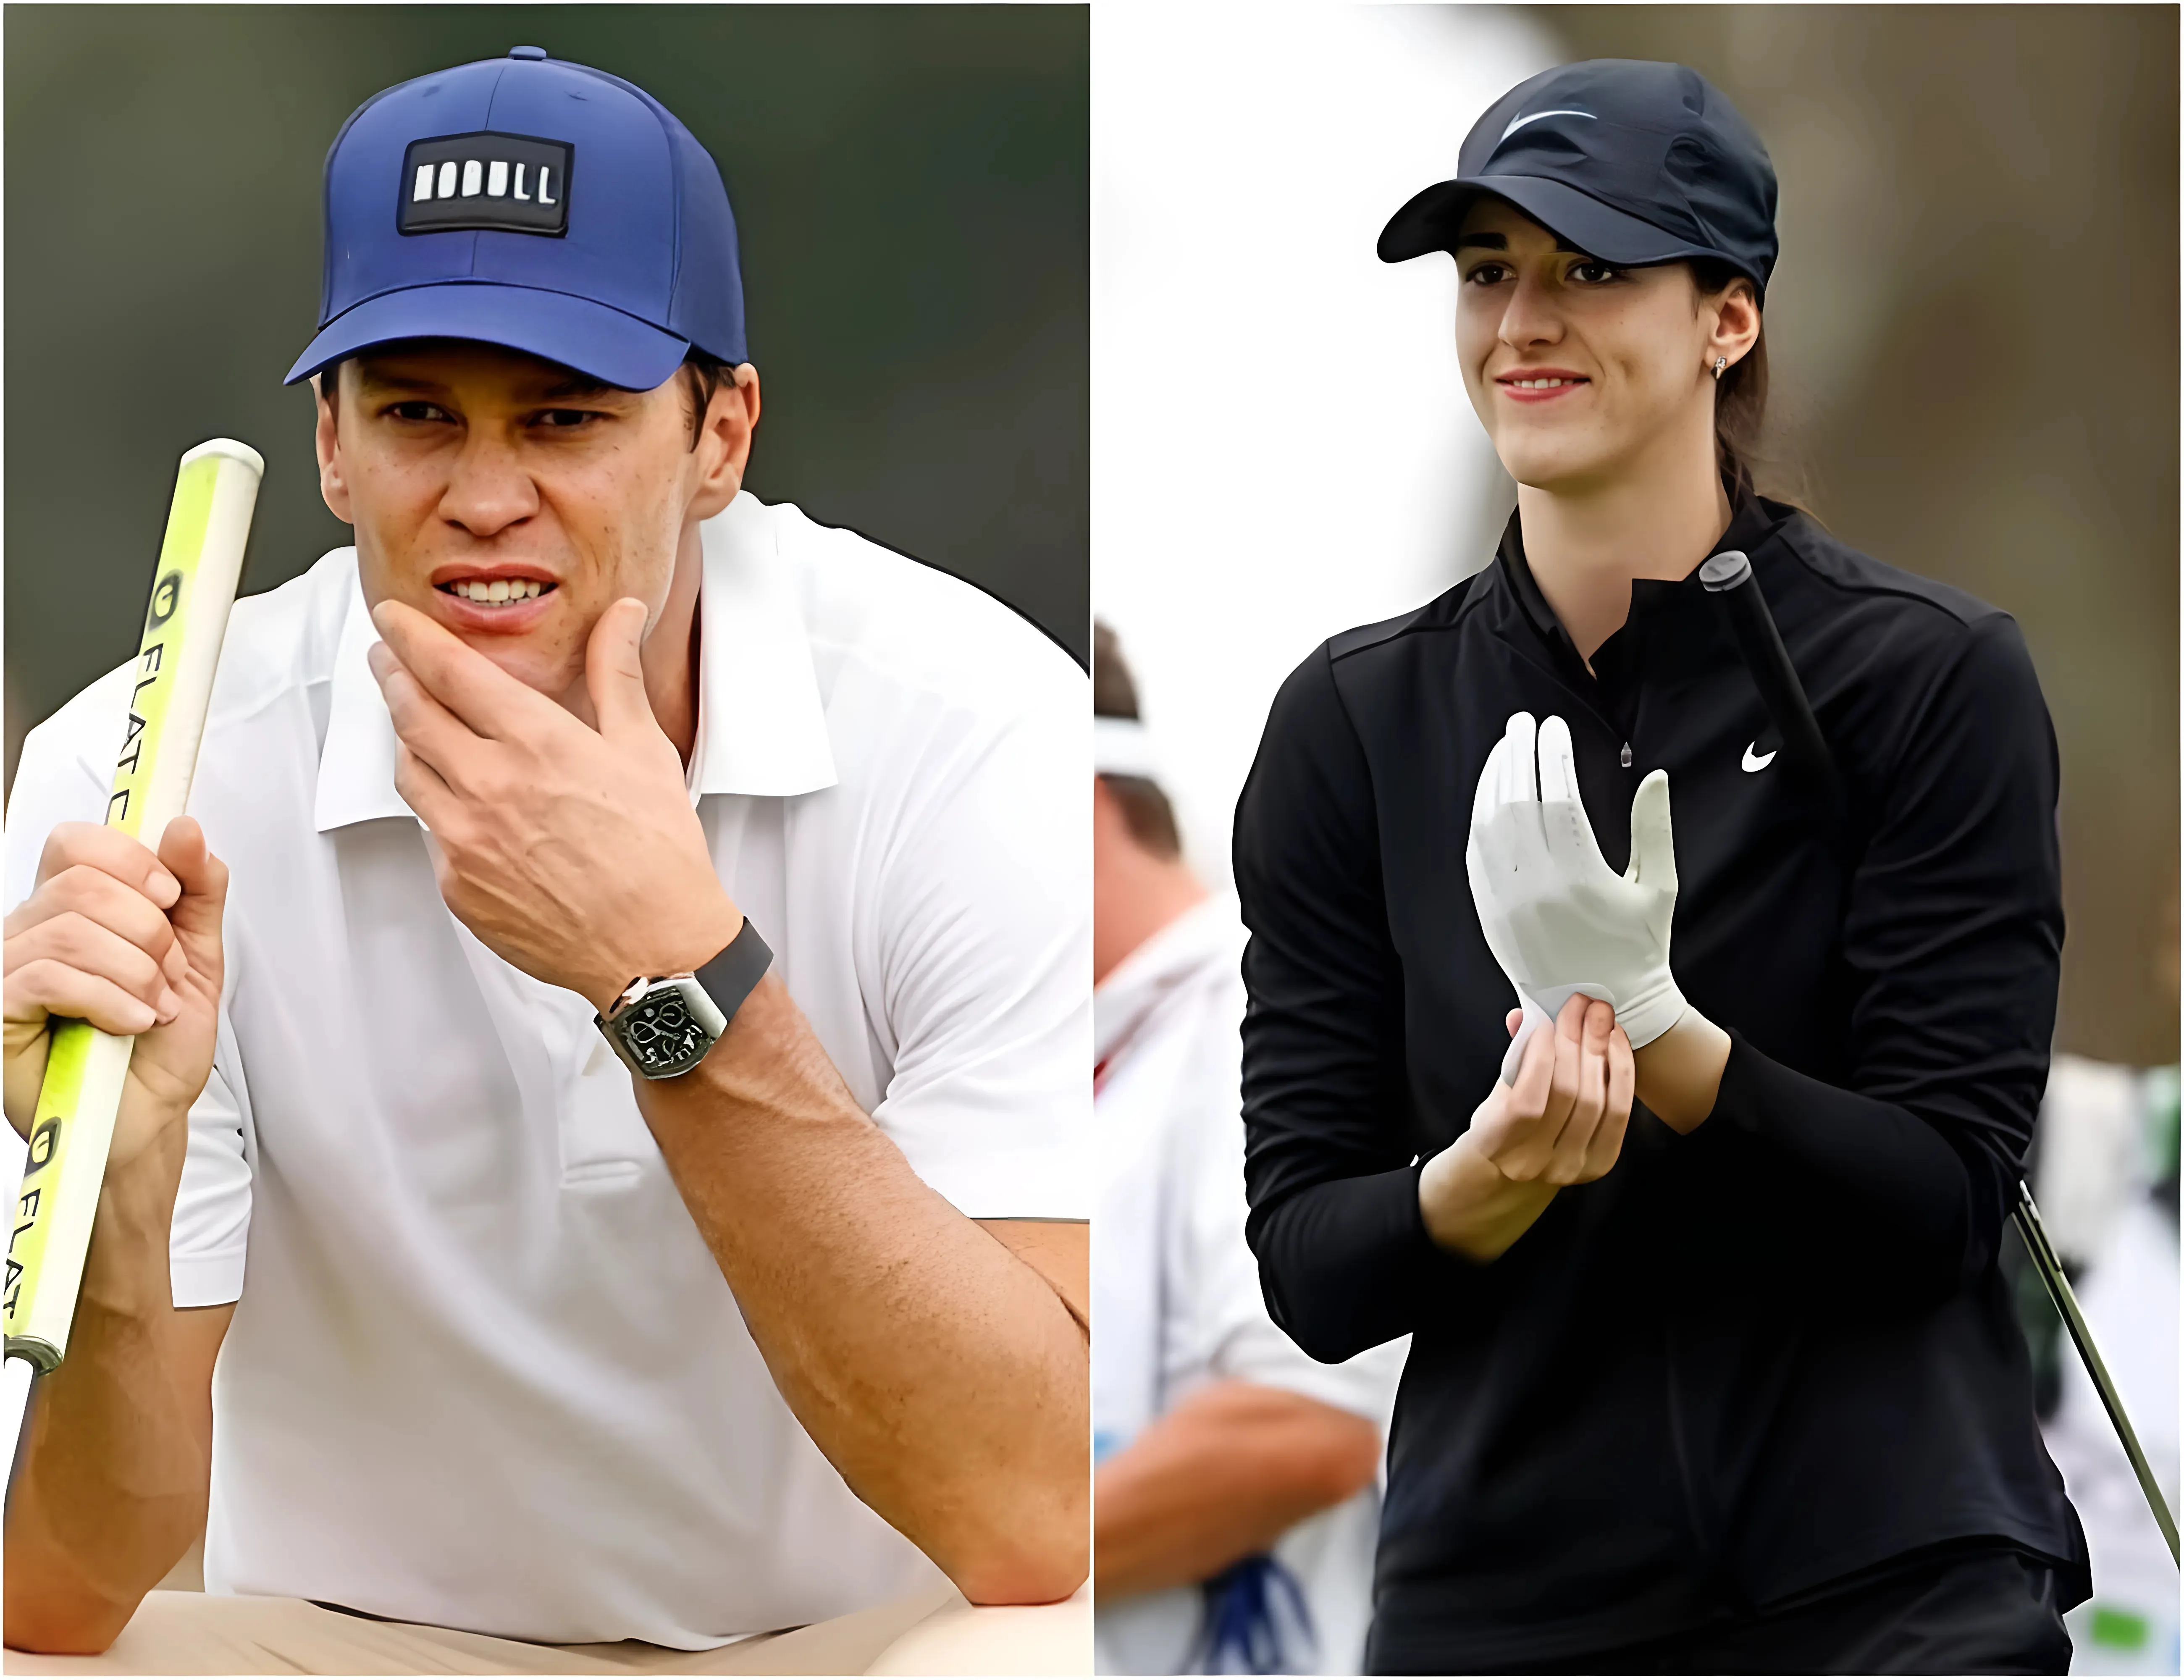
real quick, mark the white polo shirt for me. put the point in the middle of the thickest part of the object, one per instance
(483, 1371)
(1176, 1301)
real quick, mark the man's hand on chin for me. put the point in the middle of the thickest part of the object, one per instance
(573, 853)
(940, 1366)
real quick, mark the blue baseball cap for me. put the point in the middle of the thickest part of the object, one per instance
(533, 203)
(1629, 161)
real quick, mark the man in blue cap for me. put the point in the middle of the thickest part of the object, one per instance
(580, 1266)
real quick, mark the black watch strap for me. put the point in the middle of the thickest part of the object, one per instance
(729, 978)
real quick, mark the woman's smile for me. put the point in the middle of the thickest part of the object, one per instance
(1539, 385)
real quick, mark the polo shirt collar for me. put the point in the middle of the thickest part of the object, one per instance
(761, 723)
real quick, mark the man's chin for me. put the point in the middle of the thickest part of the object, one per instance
(545, 670)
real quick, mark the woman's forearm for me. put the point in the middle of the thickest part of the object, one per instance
(1347, 1264)
(942, 1375)
(1471, 1209)
(1928, 1192)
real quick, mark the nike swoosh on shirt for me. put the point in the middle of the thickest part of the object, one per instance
(1754, 761)
(1519, 122)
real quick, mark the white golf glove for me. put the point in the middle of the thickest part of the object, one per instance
(1556, 918)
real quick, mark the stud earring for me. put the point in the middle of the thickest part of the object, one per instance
(1719, 362)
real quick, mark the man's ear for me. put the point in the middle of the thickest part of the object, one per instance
(331, 486)
(724, 446)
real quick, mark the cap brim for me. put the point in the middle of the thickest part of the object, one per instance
(591, 338)
(1429, 221)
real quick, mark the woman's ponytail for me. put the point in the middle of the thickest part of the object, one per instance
(1739, 402)
(1740, 414)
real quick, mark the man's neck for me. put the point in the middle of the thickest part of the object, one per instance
(1134, 895)
(1585, 548)
(671, 674)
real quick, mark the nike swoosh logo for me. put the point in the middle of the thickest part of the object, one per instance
(1519, 122)
(1755, 760)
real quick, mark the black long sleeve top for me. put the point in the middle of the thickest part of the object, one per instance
(1752, 1361)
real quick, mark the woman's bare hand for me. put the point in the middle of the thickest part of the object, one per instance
(1562, 1121)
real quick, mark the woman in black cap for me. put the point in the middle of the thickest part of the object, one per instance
(1713, 1368)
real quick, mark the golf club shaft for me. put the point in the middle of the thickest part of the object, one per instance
(2050, 1268)
(1760, 643)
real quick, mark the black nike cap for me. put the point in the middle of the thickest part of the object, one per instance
(1629, 161)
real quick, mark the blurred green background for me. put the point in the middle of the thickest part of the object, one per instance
(1973, 340)
(910, 186)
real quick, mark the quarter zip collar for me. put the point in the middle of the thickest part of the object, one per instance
(1753, 522)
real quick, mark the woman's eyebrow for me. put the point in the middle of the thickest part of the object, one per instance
(1488, 241)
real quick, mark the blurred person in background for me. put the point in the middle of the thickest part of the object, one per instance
(1235, 1496)
(1712, 1366)
(2105, 1176)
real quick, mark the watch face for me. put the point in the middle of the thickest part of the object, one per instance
(662, 1034)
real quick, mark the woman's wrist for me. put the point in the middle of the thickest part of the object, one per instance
(1680, 1072)
(1471, 1208)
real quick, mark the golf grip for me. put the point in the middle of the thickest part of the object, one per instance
(1727, 577)
(200, 564)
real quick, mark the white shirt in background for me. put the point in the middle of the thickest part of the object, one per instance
(483, 1371)
(2107, 1135)
(1176, 1301)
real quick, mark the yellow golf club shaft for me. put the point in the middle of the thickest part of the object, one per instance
(200, 564)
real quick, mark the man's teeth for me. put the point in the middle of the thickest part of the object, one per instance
(500, 589)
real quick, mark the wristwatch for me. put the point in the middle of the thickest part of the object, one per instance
(662, 1025)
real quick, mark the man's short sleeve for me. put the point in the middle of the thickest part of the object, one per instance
(211, 1209)
(57, 781)
(986, 959)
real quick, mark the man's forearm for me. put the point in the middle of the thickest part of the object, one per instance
(941, 1376)
(1224, 1475)
(114, 1478)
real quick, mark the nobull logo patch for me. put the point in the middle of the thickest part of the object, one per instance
(491, 183)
